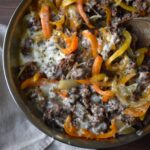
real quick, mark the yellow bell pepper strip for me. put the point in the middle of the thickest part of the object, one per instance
(73, 131)
(45, 16)
(124, 6)
(72, 45)
(96, 68)
(83, 14)
(66, 3)
(126, 78)
(146, 93)
(137, 111)
(106, 94)
(141, 55)
(93, 41)
(31, 81)
(108, 14)
(121, 50)
(59, 23)
(93, 80)
(104, 84)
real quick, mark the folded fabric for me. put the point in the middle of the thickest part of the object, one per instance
(16, 132)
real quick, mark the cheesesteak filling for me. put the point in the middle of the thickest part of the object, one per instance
(82, 70)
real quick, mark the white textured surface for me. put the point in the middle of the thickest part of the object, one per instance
(16, 132)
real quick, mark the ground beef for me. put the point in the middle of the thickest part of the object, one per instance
(27, 46)
(55, 114)
(65, 66)
(37, 98)
(34, 24)
(114, 106)
(27, 70)
(129, 120)
(81, 71)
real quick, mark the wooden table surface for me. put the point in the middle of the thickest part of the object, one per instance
(7, 8)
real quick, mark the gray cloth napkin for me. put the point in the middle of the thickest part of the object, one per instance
(16, 132)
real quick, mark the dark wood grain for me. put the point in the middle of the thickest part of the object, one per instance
(7, 8)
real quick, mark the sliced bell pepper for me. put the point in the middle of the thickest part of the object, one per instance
(137, 111)
(97, 78)
(126, 78)
(66, 3)
(93, 80)
(36, 80)
(121, 50)
(84, 81)
(72, 45)
(61, 93)
(93, 41)
(108, 14)
(140, 57)
(124, 6)
(50, 4)
(31, 81)
(45, 16)
(106, 94)
(58, 3)
(69, 128)
(110, 133)
(59, 23)
(83, 14)
(97, 65)
(84, 133)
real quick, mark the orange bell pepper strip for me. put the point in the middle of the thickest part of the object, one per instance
(96, 68)
(106, 94)
(93, 41)
(83, 14)
(62, 93)
(83, 81)
(36, 80)
(73, 131)
(137, 111)
(69, 128)
(110, 133)
(97, 78)
(121, 50)
(31, 81)
(45, 16)
(72, 45)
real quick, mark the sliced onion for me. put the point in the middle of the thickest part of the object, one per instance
(67, 84)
